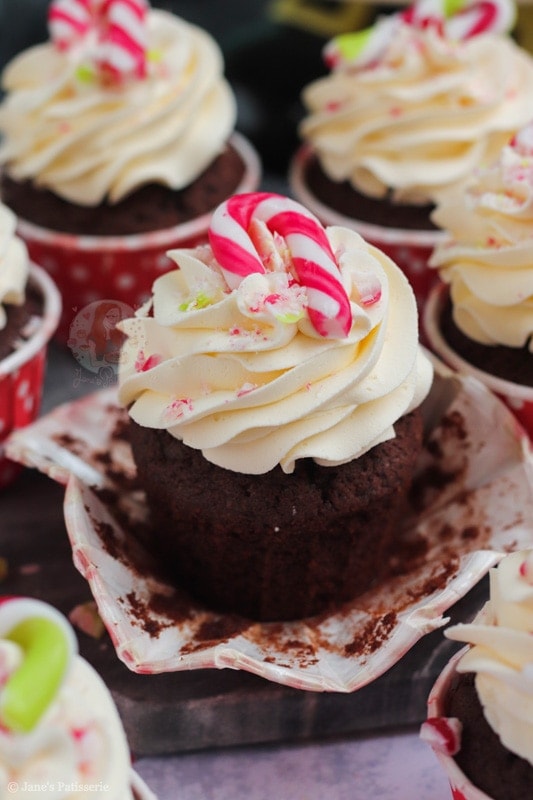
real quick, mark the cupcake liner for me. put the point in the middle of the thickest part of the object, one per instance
(518, 398)
(462, 788)
(22, 373)
(120, 268)
(409, 249)
(475, 473)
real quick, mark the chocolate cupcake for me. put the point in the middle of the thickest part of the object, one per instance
(480, 319)
(30, 307)
(479, 712)
(118, 142)
(409, 108)
(274, 385)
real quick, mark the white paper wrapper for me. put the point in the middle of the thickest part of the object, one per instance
(475, 498)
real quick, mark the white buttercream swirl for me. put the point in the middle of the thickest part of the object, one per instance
(77, 750)
(501, 653)
(244, 377)
(419, 120)
(68, 131)
(14, 264)
(487, 257)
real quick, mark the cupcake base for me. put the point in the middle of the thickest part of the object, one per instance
(88, 267)
(152, 207)
(345, 200)
(482, 757)
(486, 364)
(275, 546)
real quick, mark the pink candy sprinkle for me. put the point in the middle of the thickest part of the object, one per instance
(143, 364)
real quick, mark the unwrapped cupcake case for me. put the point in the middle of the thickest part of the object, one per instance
(475, 502)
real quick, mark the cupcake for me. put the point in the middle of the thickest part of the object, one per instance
(409, 108)
(30, 306)
(480, 319)
(60, 732)
(480, 711)
(274, 383)
(118, 142)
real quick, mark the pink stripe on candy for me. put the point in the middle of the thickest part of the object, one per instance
(312, 258)
(124, 43)
(69, 20)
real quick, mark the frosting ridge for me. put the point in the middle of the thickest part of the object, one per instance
(487, 256)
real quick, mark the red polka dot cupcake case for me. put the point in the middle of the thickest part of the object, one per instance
(30, 307)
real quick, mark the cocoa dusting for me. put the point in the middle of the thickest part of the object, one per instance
(372, 636)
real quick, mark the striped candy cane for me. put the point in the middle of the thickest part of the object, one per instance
(455, 19)
(120, 27)
(69, 21)
(231, 237)
(124, 42)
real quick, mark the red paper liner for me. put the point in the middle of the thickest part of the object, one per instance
(22, 373)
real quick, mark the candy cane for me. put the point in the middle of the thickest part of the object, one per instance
(69, 20)
(231, 235)
(456, 19)
(120, 28)
(124, 43)
(48, 645)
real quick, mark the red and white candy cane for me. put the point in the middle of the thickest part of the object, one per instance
(312, 258)
(69, 21)
(124, 42)
(48, 645)
(119, 25)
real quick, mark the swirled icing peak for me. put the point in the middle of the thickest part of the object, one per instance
(487, 257)
(60, 729)
(413, 104)
(14, 264)
(244, 353)
(127, 95)
(501, 652)
(452, 19)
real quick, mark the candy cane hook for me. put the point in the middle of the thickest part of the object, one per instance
(119, 27)
(312, 259)
(48, 645)
(69, 21)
